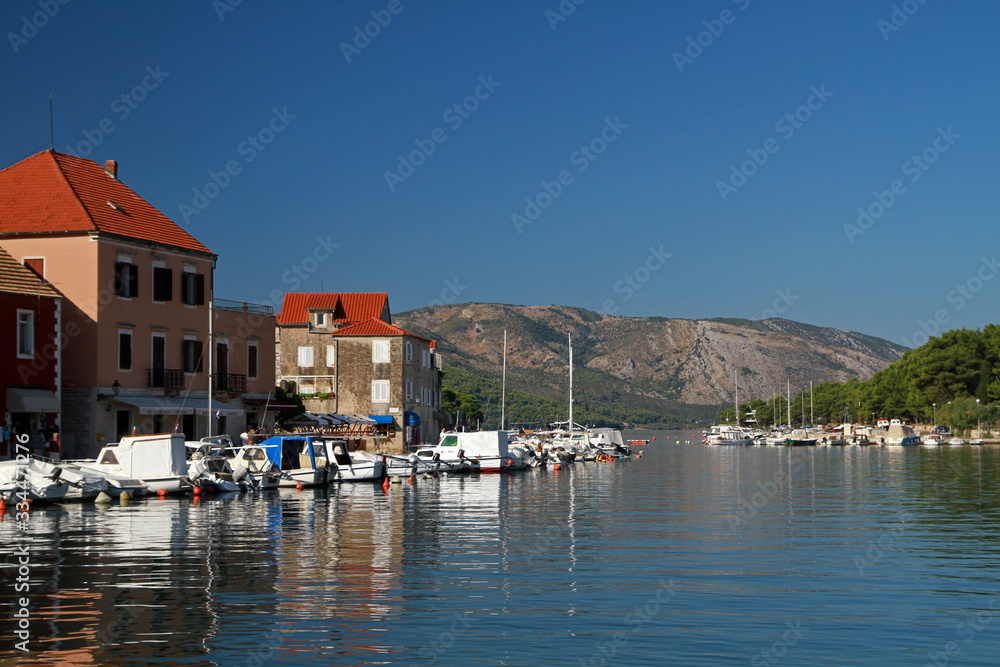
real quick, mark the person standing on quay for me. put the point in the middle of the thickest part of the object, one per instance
(53, 448)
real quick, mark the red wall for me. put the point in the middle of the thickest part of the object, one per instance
(38, 372)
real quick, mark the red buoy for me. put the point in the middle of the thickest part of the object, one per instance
(298, 486)
(162, 493)
(197, 490)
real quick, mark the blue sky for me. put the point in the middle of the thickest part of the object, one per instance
(622, 122)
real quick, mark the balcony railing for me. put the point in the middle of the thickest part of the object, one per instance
(242, 307)
(229, 382)
(167, 378)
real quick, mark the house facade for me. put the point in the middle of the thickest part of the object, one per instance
(137, 291)
(30, 354)
(342, 354)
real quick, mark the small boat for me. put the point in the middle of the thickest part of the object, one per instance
(293, 459)
(348, 466)
(933, 440)
(800, 438)
(30, 480)
(480, 451)
(114, 485)
(977, 442)
(728, 435)
(158, 461)
(956, 442)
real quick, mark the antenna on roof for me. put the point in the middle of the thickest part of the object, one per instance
(52, 132)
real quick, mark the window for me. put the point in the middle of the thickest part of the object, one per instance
(380, 391)
(409, 351)
(124, 350)
(305, 357)
(25, 334)
(191, 350)
(321, 319)
(409, 390)
(126, 280)
(193, 288)
(252, 360)
(380, 351)
(162, 284)
(331, 355)
(425, 358)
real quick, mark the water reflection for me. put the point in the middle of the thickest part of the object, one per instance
(541, 566)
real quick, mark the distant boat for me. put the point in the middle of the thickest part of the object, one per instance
(297, 459)
(800, 438)
(480, 451)
(933, 440)
(956, 442)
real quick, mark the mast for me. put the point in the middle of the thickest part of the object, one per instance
(812, 417)
(503, 390)
(570, 382)
(788, 400)
(209, 421)
(736, 378)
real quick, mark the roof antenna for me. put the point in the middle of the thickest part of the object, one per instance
(52, 132)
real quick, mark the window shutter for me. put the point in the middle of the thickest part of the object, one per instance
(200, 289)
(133, 280)
(198, 350)
(168, 284)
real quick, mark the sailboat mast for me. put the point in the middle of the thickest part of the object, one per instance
(812, 417)
(503, 390)
(788, 400)
(208, 424)
(736, 379)
(571, 382)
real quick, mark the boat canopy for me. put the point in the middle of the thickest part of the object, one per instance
(149, 456)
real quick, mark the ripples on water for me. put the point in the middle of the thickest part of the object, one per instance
(690, 555)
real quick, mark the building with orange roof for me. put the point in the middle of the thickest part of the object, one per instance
(29, 359)
(135, 315)
(342, 353)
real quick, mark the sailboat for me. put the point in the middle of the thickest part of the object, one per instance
(730, 435)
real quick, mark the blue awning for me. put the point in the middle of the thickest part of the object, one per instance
(382, 420)
(411, 418)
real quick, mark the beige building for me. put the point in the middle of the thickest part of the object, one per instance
(342, 354)
(135, 318)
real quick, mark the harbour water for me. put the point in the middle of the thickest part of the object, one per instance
(690, 555)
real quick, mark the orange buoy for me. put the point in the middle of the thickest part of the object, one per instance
(410, 479)
(197, 490)
(3, 504)
(557, 467)
(298, 486)
(385, 484)
(161, 493)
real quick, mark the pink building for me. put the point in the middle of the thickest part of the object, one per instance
(135, 317)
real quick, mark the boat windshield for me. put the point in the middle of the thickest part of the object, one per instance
(449, 441)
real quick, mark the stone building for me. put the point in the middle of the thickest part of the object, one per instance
(342, 354)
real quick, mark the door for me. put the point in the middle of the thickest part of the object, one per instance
(123, 424)
(187, 425)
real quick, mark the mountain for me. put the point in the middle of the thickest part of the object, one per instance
(653, 363)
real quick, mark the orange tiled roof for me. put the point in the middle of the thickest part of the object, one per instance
(15, 278)
(374, 327)
(354, 306)
(51, 192)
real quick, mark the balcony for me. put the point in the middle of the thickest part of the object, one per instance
(229, 382)
(166, 378)
(242, 307)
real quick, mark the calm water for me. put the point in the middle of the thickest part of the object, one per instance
(690, 555)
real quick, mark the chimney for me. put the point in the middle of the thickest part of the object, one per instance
(111, 166)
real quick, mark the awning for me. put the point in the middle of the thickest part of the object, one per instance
(270, 404)
(149, 405)
(22, 399)
(382, 420)
(411, 418)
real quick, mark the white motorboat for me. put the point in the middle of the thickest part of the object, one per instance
(356, 466)
(977, 442)
(728, 435)
(158, 461)
(933, 440)
(480, 451)
(30, 480)
(82, 485)
(956, 442)
(114, 485)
